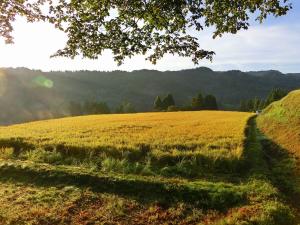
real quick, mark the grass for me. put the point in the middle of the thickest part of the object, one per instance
(281, 122)
(150, 168)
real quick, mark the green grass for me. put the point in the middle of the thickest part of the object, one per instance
(281, 122)
(280, 125)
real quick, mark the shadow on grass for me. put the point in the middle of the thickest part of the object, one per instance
(205, 195)
(264, 158)
(261, 159)
(282, 167)
(283, 174)
(190, 166)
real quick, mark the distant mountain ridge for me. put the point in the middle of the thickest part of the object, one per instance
(266, 73)
(27, 95)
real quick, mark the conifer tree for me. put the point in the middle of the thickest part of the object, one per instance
(197, 102)
(158, 104)
(168, 101)
(210, 102)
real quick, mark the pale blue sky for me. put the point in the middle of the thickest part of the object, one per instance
(272, 45)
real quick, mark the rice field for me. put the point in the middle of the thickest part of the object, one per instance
(203, 167)
(174, 133)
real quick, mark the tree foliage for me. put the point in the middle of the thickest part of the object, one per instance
(125, 107)
(158, 104)
(131, 27)
(275, 95)
(197, 102)
(88, 107)
(255, 104)
(164, 103)
(210, 102)
(9, 9)
(168, 101)
(200, 102)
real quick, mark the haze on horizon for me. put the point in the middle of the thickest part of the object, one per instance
(271, 45)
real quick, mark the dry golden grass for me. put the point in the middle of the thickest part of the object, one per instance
(174, 132)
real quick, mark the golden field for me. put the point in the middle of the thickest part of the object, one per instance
(161, 133)
(205, 167)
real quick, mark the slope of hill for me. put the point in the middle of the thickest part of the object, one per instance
(152, 168)
(281, 122)
(27, 95)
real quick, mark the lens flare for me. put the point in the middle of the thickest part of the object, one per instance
(43, 82)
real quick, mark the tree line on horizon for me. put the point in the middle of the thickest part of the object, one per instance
(257, 104)
(199, 102)
(167, 103)
(95, 107)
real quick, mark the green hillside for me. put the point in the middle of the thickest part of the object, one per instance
(281, 122)
(205, 167)
(27, 95)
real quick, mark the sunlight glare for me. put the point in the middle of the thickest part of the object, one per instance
(43, 82)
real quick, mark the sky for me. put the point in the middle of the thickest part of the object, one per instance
(275, 44)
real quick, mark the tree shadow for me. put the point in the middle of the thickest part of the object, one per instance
(282, 167)
(205, 195)
(283, 172)
(187, 166)
(261, 158)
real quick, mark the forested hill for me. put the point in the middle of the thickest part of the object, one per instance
(29, 95)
